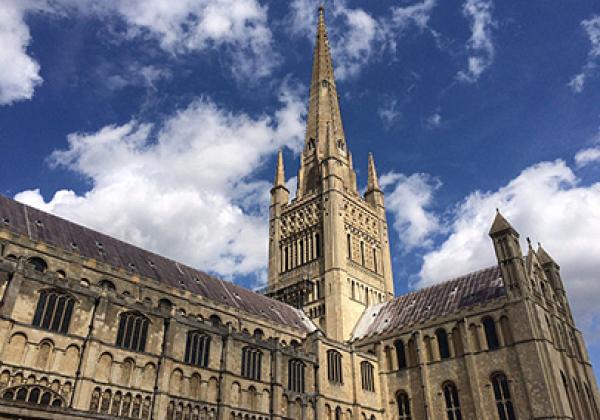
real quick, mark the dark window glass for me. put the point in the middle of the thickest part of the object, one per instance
(53, 311)
(400, 354)
(452, 402)
(197, 349)
(133, 331)
(368, 381)
(502, 396)
(296, 375)
(442, 339)
(491, 335)
(251, 363)
(334, 366)
(403, 406)
(38, 264)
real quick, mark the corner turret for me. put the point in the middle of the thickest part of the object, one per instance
(508, 253)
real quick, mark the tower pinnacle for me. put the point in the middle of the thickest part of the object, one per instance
(280, 171)
(372, 181)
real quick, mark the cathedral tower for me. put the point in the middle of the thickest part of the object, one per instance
(329, 250)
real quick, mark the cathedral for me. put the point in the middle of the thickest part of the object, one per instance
(95, 328)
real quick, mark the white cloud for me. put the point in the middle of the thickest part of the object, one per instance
(592, 29)
(434, 120)
(20, 73)
(388, 113)
(185, 188)
(587, 156)
(356, 36)
(133, 75)
(545, 202)
(480, 45)
(409, 199)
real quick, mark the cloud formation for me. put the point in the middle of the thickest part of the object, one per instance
(20, 73)
(187, 188)
(237, 28)
(480, 46)
(409, 200)
(592, 29)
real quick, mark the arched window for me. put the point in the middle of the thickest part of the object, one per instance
(38, 264)
(400, 354)
(53, 311)
(197, 348)
(317, 245)
(403, 406)
(504, 403)
(296, 375)
(452, 401)
(442, 339)
(165, 304)
(251, 363)
(133, 331)
(215, 320)
(107, 285)
(338, 414)
(334, 366)
(349, 239)
(366, 373)
(491, 335)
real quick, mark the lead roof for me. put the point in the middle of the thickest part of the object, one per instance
(431, 302)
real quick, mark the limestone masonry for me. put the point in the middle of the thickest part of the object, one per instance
(92, 327)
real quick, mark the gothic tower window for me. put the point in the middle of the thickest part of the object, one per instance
(133, 331)
(296, 375)
(452, 401)
(503, 399)
(366, 372)
(197, 349)
(349, 238)
(334, 366)
(400, 354)
(362, 252)
(317, 245)
(53, 311)
(491, 335)
(251, 363)
(375, 259)
(443, 346)
(403, 406)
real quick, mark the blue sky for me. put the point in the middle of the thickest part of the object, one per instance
(160, 126)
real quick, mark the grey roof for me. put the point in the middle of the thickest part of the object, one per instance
(44, 227)
(431, 302)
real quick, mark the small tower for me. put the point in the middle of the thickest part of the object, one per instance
(508, 253)
(280, 196)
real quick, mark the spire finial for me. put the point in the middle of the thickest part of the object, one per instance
(279, 171)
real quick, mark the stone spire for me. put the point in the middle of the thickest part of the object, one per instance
(325, 152)
(372, 181)
(323, 105)
(280, 171)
